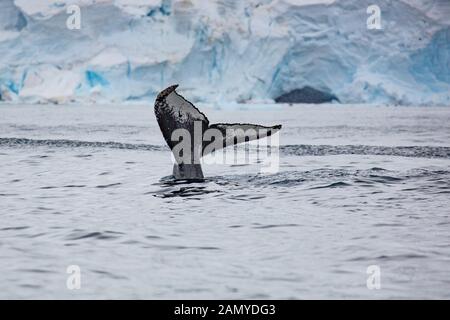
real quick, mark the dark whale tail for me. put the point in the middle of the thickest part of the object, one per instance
(173, 113)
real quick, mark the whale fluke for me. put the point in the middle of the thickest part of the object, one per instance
(235, 133)
(175, 112)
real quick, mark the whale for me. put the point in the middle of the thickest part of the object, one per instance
(180, 121)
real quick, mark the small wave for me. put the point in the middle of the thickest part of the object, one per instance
(255, 187)
(400, 151)
(385, 179)
(292, 150)
(271, 226)
(109, 275)
(187, 192)
(64, 143)
(35, 270)
(108, 185)
(335, 178)
(106, 235)
(14, 228)
(333, 185)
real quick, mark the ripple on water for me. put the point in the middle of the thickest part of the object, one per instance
(338, 184)
(105, 235)
(109, 274)
(184, 192)
(179, 247)
(108, 185)
(247, 187)
(14, 228)
(271, 226)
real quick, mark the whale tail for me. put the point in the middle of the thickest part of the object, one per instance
(175, 112)
(188, 171)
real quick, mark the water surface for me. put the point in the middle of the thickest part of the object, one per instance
(357, 186)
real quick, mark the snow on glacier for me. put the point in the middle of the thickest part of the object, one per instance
(225, 51)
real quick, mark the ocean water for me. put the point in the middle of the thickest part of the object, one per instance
(357, 186)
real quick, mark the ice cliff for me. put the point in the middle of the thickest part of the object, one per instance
(225, 50)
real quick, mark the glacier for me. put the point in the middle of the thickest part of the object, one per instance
(225, 51)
